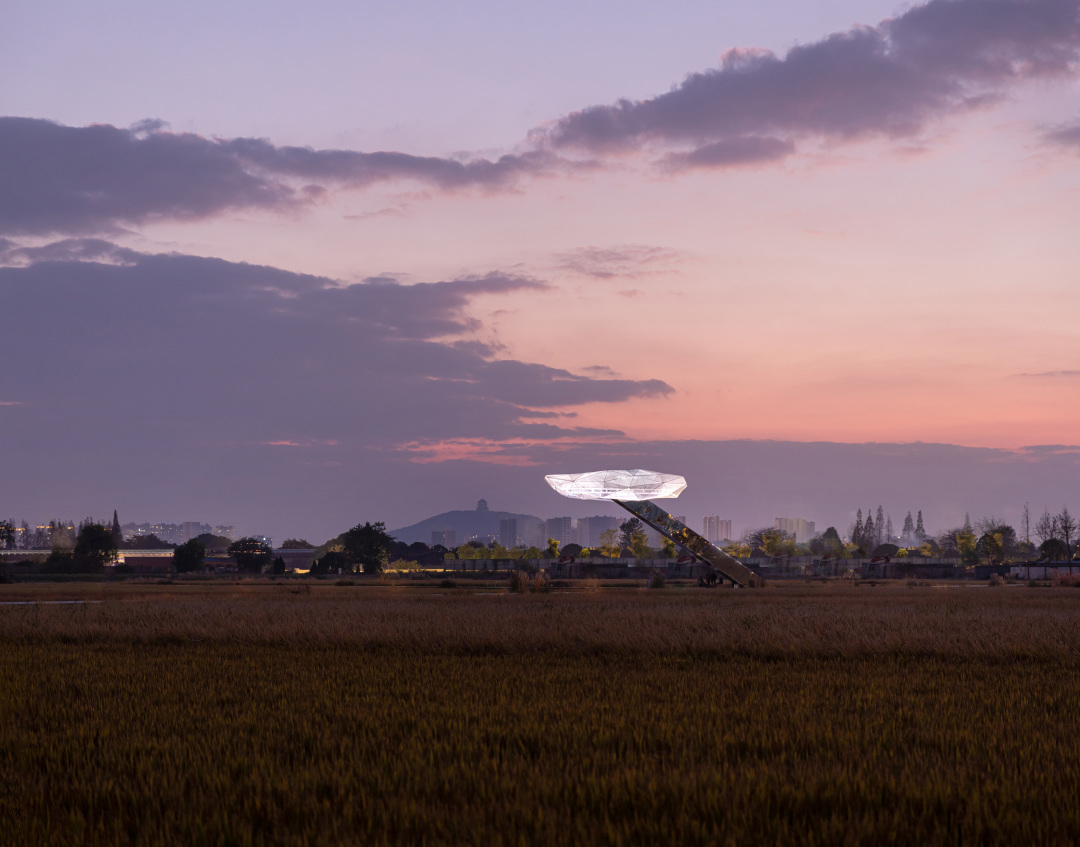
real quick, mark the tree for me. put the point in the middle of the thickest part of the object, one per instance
(552, 549)
(997, 544)
(959, 543)
(60, 535)
(1047, 526)
(738, 550)
(856, 531)
(1067, 527)
(608, 545)
(215, 542)
(879, 526)
(667, 549)
(773, 542)
(908, 532)
(965, 541)
(828, 543)
(368, 546)
(251, 554)
(990, 545)
(277, 567)
(147, 542)
(95, 547)
(331, 562)
(7, 534)
(297, 544)
(1054, 550)
(869, 533)
(1025, 523)
(920, 530)
(889, 529)
(639, 546)
(627, 529)
(189, 556)
(117, 534)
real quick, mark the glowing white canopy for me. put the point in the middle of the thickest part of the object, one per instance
(617, 485)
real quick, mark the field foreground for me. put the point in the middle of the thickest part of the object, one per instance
(253, 715)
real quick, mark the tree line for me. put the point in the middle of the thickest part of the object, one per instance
(368, 548)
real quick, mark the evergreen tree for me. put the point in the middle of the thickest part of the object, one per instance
(117, 535)
(920, 530)
(857, 529)
(869, 533)
(967, 523)
(889, 529)
(879, 526)
(628, 529)
(909, 528)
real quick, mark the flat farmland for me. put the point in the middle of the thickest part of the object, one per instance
(269, 713)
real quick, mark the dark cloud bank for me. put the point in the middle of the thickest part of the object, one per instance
(59, 179)
(200, 381)
(892, 80)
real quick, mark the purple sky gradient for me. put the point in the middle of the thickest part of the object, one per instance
(294, 269)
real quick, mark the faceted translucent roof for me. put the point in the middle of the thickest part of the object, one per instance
(617, 485)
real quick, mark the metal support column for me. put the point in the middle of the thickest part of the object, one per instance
(683, 536)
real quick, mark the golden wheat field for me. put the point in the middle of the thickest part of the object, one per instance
(271, 713)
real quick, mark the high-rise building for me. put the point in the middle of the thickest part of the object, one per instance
(446, 537)
(717, 529)
(508, 532)
(802, 530)
(590, 529)
(560, 529)
(581, 531)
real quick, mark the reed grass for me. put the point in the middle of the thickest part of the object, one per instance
(1005, 622)
(251, 715)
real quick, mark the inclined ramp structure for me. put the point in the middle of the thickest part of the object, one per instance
(632, 489)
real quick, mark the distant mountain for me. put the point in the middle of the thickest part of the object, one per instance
(479, 523)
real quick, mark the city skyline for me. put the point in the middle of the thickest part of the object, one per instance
(357, 266)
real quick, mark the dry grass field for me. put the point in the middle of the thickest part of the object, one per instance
(264, 713)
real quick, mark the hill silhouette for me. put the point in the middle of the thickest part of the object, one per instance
(480, 522)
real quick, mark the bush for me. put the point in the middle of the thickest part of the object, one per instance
(539, 583)
(657, 580)
(448, 583)
(534, 583)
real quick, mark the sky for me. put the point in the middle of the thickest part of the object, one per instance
(297, 267)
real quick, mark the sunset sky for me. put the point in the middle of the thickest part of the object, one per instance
(297, 266)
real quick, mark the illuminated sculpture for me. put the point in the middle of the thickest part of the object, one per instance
(616, 485)
(632, 489)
